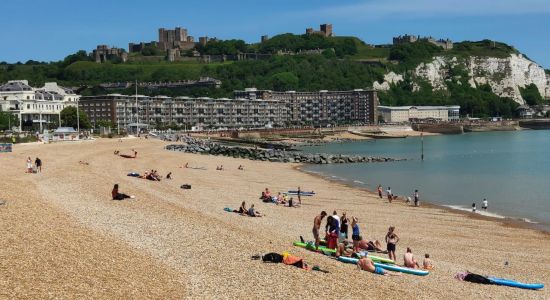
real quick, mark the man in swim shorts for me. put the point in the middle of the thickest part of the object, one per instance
(316, 227)
(366, 264)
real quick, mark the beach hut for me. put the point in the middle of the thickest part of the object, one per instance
(65, 134)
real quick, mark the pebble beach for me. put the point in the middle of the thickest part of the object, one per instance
(63, 237)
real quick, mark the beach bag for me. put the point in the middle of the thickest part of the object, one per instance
(273, 257)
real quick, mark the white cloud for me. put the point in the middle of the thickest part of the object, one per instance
(435, 8)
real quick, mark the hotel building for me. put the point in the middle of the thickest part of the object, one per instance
(38, 108)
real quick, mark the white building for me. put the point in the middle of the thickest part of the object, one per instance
(40, 106)
(402, 114)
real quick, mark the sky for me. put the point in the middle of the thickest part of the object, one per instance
(49, 30)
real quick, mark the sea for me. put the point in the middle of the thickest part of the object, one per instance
(510, 169)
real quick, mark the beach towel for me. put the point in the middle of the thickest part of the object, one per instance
(133, 174)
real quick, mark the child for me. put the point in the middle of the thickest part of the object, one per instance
(474, 207)
(427, 264)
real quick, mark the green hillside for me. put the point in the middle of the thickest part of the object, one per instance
(346, 63)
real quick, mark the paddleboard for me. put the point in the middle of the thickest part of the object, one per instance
(329, 251)
(302, 193)
(513, 283)
(394, 268)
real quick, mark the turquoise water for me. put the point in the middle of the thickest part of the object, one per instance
(510, 169)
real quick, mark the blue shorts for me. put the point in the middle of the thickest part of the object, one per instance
(378, 270)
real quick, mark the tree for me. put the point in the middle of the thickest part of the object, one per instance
(7, 120)
(68, 118)
(531, 95)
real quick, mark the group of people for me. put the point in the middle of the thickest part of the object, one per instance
(279, 199)
(153, 175)
(391, 196)
(336, 237)
(484, 205)
(34, 168)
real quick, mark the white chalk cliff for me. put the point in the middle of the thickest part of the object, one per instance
(504, 75)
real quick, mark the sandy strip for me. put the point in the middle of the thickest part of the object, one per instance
(194, 249)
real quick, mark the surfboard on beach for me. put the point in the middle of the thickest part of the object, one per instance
(329, 251)
(302, 193)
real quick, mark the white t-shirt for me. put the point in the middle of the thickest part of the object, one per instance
(337, 218)
(485, 204)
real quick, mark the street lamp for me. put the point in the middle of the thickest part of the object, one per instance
(77, 115)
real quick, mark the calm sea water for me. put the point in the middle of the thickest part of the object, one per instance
(510, 169)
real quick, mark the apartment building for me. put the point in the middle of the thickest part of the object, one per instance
(323, 107)
(147, 112)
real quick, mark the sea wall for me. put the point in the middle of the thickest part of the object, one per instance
(273, 155)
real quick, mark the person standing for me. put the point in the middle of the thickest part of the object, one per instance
(38, 164)
(416, 198)
(299, 192)
(389, 194)
(380, 191)
(485, 204)
(391, 241)
(29, 165)
(355, 234)
(344, 226)
(316, 227)
(474, 207)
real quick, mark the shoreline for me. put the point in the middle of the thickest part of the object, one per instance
(505, 221)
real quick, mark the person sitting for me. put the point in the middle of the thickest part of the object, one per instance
(427, 263)
(169, 175)
(240, 168)
(252, 212)
(119, 196)
(409, 260)
(279, 199)
(242, 210)
(367, 264)
(290, 202)
(116, 152)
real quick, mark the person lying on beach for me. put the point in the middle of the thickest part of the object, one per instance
(409, 261)
(370, 245)
(83, 162)
(119, 196)
(220, 168)
(342, 249)
(366, 264)
(252, 212)
(128, 155)
(427, 263)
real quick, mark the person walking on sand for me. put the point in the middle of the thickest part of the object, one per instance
(38, 164)
(484, 204)
(299, 192)
(416, 198)
(29, 165)
(474, 207)
(316, 227)
(389, 194)
(391, 241)
(380, 191)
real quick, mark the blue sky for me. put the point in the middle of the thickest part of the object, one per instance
(51, 29)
